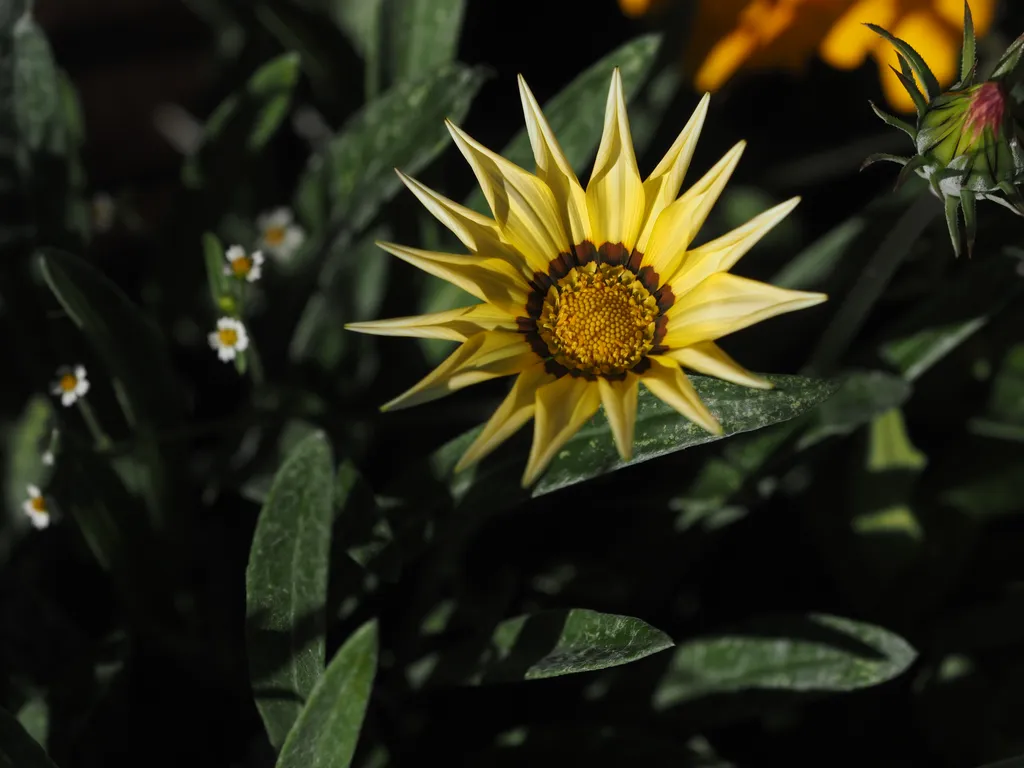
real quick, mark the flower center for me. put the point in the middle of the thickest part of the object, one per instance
(228, 337)
(68, 382)
(274, 235)
(599, 319)
(241, 266)
(38, 503)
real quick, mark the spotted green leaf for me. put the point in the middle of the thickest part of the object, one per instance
(346, 183)
(659, 431)
(862, 395)
(286, 586)
(559, 642)
(36, 82)
(17, 748)
(424, 35)
(327, 730)
(813, 652)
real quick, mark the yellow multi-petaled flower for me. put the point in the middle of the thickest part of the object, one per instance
(730, 35)
(586, 294)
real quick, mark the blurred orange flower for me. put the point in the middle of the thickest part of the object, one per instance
(729, 35)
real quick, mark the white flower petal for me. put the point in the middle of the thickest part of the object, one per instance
(33, 491)
(234, 253)
(226, 354)
(68, 398)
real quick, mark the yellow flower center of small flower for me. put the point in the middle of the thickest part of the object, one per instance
(228, 337)
(38, 503)
(68, 382)
(274, 235)
(241, 266)
(599, 319)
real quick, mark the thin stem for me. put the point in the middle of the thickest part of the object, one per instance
(89, 415)
(891, 253)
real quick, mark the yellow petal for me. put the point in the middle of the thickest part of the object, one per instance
(523, 205)
(514, 411)
(619, 399)
(478, 233)
(554, 169)
(490, 279)
(722, 253)
(849, 42)
(563, 406)
(724, 59)
(982, 11)
(615, 194)
(662, 186)
(669, 384)
(487, 355)
(455, 324)
(726, 303)
(708, 358)
(680, 222)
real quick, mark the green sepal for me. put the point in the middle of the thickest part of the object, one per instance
(968, 56)
(917, 161)
(1014, 200)
(920, 68)
(1010, 60)
(969, 204)
(880, 157)
(920, 103)
(893, 121)
(953, 223)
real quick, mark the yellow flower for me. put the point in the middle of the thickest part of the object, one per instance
(729, 35)
(586, 294)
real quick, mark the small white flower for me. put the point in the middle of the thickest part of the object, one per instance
(71, 384)
(242, 265)
(279, 235)
(35, 507)
(229, 339)
(48, 458)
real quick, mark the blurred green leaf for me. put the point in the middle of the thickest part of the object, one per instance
(660, 430)
(222, 293)
(360, 20)
(286, 586)
(954, 311)
(36, 84)
(862, 395)
(17, 748)
(26, 442)
(815, 652)
(363, 531)
(327, 730)
(345, 185)
(126, 339)
(424, 36)
(564, 642)
(245, 121)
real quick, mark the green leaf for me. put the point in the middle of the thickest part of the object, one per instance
(222, 292)
(659, 431)
(26, 442)
(17, 748)
(245, 121)
(127, 340)
(816, 652)
(326, 733)
(347, 183)
(564, 642)
(424, 36)
(917, 64)
(286, 586)
(36, 83)
(955, 310)
(968, 56)
(893, 121)
(861, 397)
